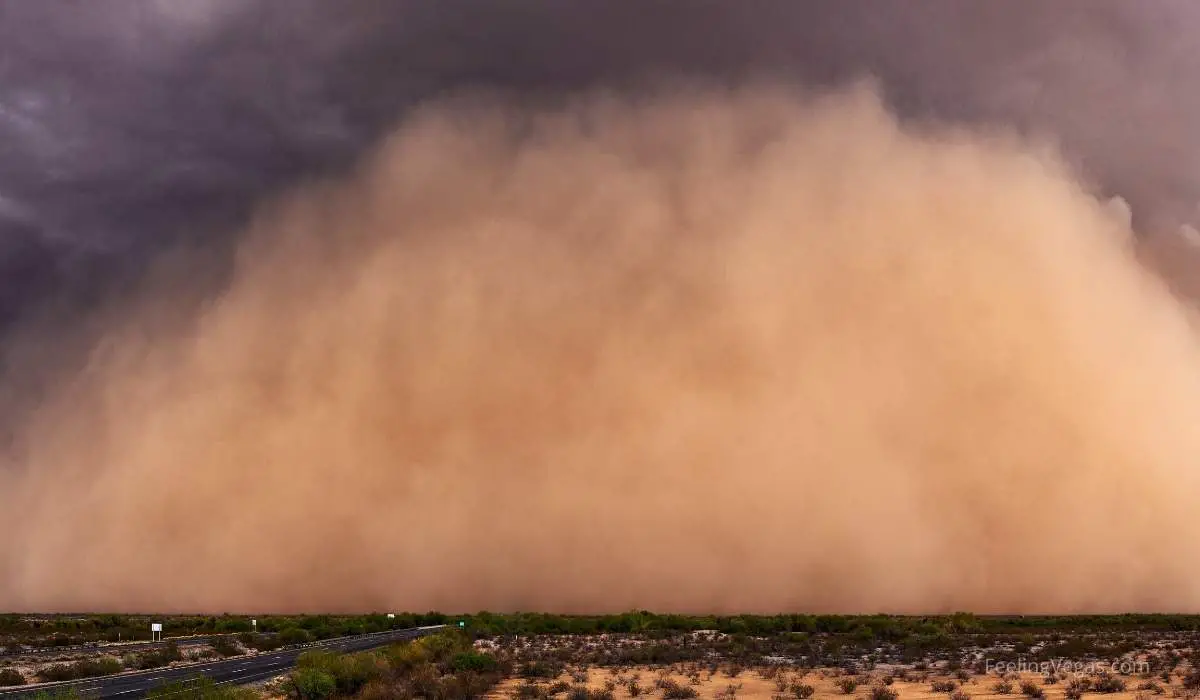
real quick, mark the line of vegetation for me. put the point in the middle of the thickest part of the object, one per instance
(108, 665)
(439, 667)
(67, 630)
(51, 631)
(893, 627)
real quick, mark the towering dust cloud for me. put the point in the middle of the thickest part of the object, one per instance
(696, 350)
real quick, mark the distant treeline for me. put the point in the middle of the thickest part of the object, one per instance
(71, 629)
(879, 626)
(68, 630)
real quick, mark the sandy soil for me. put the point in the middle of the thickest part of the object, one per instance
(754, 687)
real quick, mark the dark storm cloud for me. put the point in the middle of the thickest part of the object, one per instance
(126, 125)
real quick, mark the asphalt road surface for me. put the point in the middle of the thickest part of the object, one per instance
(238, 670)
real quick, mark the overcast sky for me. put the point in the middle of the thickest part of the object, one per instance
(129, 125)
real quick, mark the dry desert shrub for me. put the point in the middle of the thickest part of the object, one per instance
(1150, 687)
(528, 690)
(673, 691)
(1108, 683)
(1076, 688)
(944, 686)
(558, 688)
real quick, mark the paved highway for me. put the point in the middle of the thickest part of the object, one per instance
(238, 670)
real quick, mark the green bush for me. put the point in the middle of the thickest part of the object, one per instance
(80, 669)
(443, 647)
(229, 625)
(262, 642)
(99, 667)
(311, 684)
(541, 669)
(161, 657)
(405, 657)
(355, 671)
(225, 647)
(56, 673)
(474, 661)
(349, 672)
(293, 635)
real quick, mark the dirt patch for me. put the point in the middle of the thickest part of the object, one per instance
(767, 684)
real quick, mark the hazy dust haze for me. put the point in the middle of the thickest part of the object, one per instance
(696, 350)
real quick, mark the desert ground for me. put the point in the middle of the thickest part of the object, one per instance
(774, 683)
(535, 658)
